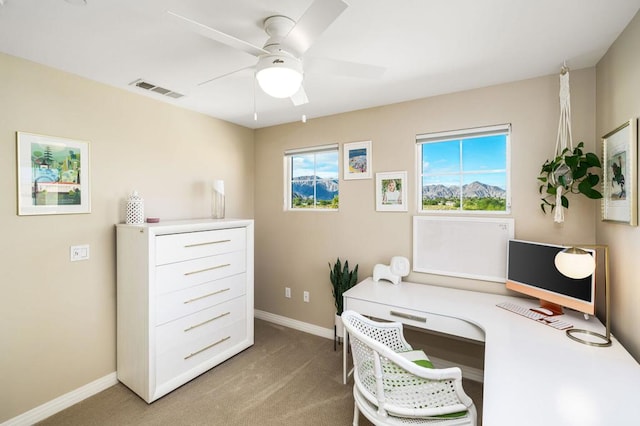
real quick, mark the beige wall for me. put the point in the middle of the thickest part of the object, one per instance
(57, 317)
(293, 248)
(618, 100)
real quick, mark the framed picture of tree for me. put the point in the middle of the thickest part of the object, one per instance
(53, 175)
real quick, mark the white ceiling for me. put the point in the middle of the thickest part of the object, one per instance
(428, 47)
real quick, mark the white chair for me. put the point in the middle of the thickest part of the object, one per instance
(391, 387)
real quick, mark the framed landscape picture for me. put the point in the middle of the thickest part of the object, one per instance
(620, 164)
(391, 192)
(53, 175)
(357, 160)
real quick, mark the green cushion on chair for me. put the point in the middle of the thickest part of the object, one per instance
(417, 357)
(420, 358)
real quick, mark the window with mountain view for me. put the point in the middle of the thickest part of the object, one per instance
(312, 178)
(465, 170)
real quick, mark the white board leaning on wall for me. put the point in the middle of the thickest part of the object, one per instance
(468, 247)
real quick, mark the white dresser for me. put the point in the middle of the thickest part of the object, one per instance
(184, 300)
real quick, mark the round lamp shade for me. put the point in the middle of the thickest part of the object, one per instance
(279, 76)
(575, 263)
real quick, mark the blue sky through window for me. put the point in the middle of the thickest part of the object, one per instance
(483, 160)
(324, 165)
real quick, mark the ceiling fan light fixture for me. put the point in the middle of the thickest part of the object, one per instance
(279, 76)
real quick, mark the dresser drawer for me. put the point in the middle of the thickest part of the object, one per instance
(185, 302)
(426, 320)
(192, 245)
(179, 351)
(184, 334)
(179, 276)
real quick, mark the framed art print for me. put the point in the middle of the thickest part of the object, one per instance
(391, 192)
(620, 164)
(357, 160)
(53, 175)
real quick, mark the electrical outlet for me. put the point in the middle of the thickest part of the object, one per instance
(287, 292)
(305, 296)
(79, 252)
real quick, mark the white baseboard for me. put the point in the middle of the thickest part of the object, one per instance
(67, 400)
(295, 324)
(471, 373)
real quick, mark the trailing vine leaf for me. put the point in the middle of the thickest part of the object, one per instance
(571, 171)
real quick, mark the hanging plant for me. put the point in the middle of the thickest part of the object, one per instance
(569, 172)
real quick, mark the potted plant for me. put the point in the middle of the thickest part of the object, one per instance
(342, 280)
(567, 173)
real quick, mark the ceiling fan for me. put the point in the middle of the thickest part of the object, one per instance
(280, 68)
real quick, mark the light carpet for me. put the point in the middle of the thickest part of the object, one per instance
(287, 377)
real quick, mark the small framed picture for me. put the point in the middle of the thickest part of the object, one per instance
(53, 175)
(619, 201)
(391, 192)
(357, 160)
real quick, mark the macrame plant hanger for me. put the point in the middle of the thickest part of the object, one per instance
(564, 139)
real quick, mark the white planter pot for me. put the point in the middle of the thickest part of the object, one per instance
(339, 326)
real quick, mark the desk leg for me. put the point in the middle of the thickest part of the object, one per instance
(345, 359)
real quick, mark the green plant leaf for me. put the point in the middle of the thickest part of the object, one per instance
(586, 188)
(578, 180)
(342, 280)
(592, 160)
(572, 160)
(580, 172)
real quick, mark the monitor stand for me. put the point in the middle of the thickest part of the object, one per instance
(553, 307)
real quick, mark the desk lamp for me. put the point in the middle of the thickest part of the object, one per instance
(577, 263)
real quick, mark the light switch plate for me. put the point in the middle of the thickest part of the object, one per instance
(80, 252)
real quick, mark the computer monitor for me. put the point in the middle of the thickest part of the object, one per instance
(531, 271)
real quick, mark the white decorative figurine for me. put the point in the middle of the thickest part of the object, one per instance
(394, 272)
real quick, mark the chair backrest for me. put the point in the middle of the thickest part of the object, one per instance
(394, 384)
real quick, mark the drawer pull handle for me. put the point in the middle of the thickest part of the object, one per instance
(206, 322)
(206, 295)
(206, 244)
(207, 347)
(408, 316)
(207, 269)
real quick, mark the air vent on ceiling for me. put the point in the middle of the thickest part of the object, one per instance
(153, 88)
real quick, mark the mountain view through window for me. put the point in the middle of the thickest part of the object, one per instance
(465, 174)
(314, 180)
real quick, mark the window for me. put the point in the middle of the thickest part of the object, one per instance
(311, 178)
(464, 170)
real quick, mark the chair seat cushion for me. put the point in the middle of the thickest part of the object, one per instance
(418, 357)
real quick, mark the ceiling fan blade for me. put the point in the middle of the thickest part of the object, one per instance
(225, 75)
(218, 36)
(300, 97)
(313, 22)
(342, 68)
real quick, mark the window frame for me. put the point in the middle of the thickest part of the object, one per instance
(287, 165)
(459, 135)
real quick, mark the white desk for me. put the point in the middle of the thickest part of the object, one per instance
(533, 374)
